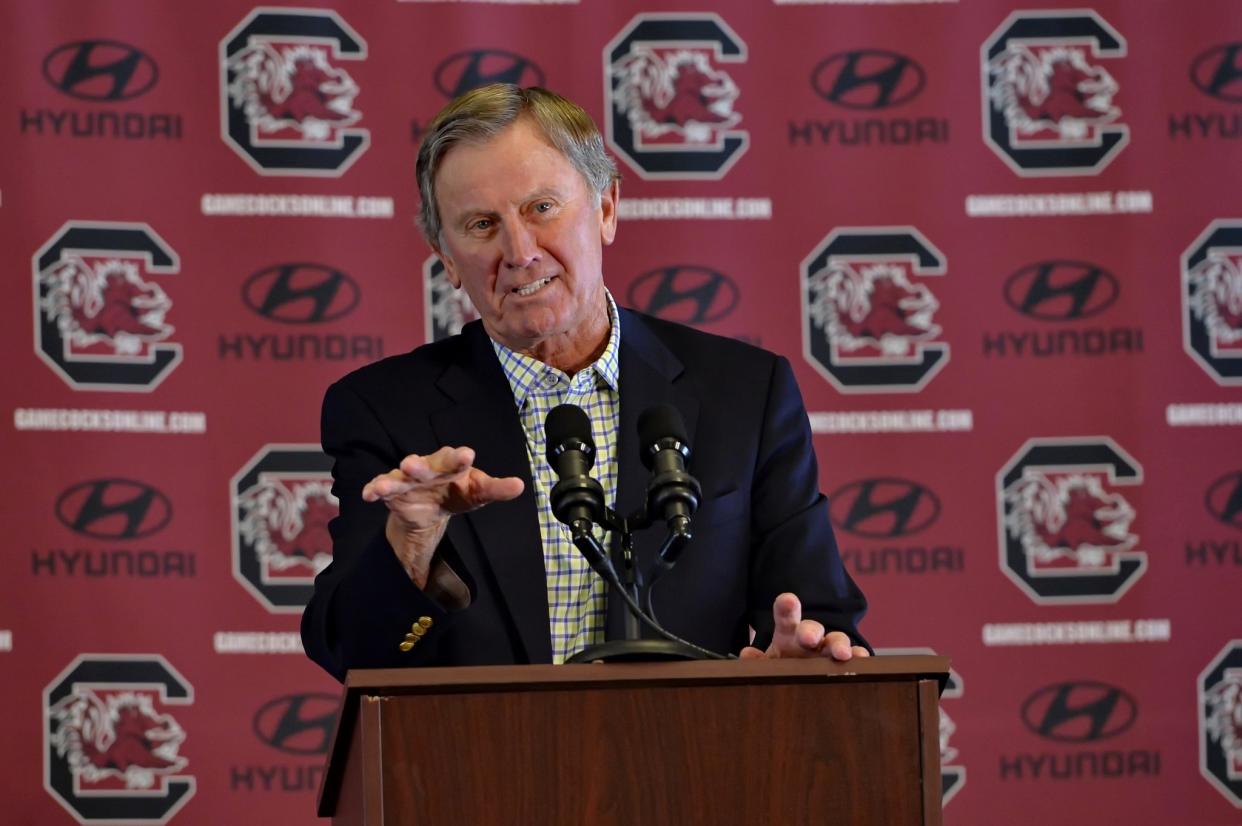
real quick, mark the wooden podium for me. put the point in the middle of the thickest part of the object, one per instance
(738, 742)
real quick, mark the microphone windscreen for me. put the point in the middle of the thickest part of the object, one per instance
(565, 422)
(659, 422)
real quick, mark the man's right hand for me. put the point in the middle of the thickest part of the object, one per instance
(424, 492)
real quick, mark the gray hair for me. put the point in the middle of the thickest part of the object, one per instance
(481, 114)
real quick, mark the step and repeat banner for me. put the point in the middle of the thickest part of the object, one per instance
(1001, 245)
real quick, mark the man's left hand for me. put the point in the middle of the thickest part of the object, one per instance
(795, 637)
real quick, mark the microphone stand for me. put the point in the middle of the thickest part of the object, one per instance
(630, 581)
(632, 648)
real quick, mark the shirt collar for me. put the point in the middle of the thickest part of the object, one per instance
(528, 376)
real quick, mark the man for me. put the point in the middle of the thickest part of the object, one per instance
(445, 550)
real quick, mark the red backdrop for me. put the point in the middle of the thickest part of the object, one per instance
(1001, 247)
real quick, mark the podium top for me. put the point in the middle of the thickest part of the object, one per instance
(507, 678)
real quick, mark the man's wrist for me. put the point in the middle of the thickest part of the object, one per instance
(414, 547)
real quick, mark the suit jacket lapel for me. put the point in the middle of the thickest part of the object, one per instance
(649, 376)
(485, 418)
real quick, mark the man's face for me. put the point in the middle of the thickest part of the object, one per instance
(523, 234)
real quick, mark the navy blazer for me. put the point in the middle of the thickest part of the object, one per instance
(762, 527)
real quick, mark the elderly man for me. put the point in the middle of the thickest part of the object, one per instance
(446, 551)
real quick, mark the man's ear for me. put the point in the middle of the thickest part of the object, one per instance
(608, 212)
(450, 269)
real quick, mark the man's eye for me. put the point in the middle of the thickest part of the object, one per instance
(481, 224)
(544, 206)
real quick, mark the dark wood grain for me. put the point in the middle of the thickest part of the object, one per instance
(371, 748)
(720, 754)
(350, 809)
(929, 722)
(671, 743)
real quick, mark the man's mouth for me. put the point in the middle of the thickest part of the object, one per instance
(533, 287)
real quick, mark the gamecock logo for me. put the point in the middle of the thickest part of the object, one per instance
(872, 306)
(867, 323)
(99, 322)
(288, 108)
(286, 521)
(106, 303)
(1068, 522)
(1048, 106)
(293, 89)
(1065, 534)
(112, 748)
(1220, 722)
(282, 504)
(1212, 301)
(675, 94)
(120, 735)
(446, 308)
(669, 104)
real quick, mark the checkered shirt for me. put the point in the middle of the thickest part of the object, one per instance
(576, 596)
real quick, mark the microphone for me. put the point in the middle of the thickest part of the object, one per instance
(577, 500)
(672, 494)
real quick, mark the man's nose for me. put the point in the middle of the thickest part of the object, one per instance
(518, 245)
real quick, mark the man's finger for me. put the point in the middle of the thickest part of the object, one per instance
(837, 645)
(786, 622)
(440, 468)
(793, 636)
(489, 489)
(444, 465)
(786, 614)
(750, 653)
(810, 636)
(392, 483)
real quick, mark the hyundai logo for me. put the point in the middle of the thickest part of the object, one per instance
(113, 509)
(301, 293)
(100, 70)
